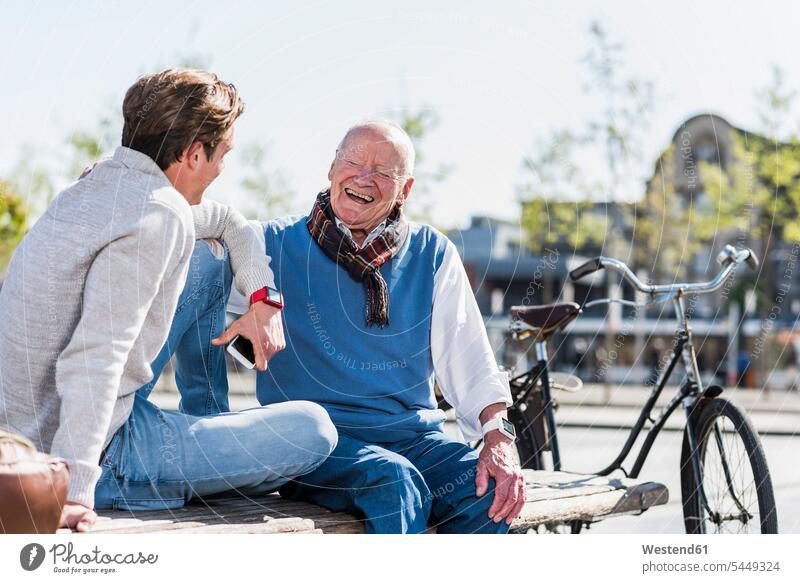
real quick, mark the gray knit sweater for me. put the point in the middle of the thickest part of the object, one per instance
(88, 300)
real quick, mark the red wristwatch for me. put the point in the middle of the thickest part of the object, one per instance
(269, 296)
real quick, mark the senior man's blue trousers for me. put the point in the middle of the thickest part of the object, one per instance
(402, 487)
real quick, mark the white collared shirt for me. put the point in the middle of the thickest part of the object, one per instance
(463, 360)
(376, 232)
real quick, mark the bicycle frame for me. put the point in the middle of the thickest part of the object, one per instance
(691, 393)
(690, 390)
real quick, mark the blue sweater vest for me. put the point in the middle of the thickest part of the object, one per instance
(376, 383)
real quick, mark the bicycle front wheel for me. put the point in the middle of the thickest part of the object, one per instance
(734, 474)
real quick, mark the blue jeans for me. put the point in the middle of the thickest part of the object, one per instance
(162, 459)
(402, 487)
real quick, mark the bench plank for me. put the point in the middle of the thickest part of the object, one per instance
(551, 497)
(621, 497)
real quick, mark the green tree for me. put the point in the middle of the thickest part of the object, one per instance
(33, 181)
(671, 227)
(269, 194)
(759, 194)
(627, 102)
(13, 222)
(87, 146)
(555, 208)
(556, 192)
(774, 106)
(418, 125)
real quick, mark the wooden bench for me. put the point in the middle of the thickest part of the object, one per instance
(551, 497)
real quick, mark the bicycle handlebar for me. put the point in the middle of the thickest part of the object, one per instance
(730, 258)
(752, 260)
(586, 268)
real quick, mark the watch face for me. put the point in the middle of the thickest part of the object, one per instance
(508, 427)
(274, 295)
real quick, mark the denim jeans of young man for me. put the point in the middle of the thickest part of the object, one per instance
(161, 459)
(402, 487)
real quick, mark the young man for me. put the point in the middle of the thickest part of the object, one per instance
(92, 292)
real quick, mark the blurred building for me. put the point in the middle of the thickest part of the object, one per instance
(504, 272)
(709, 138)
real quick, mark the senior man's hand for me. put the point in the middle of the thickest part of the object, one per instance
(497, 461)
(263, 327)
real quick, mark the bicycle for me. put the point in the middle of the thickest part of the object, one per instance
(722, 461)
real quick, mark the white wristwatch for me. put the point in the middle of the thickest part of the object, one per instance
(501, 424)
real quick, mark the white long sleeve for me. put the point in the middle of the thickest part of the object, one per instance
(463, 361)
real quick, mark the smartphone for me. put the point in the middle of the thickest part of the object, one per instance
(241, 349)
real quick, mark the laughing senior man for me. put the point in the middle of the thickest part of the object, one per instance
(380, 306)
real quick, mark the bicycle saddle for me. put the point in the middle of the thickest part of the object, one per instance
(546, 319)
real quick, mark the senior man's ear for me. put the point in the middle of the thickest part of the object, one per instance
(406, 191)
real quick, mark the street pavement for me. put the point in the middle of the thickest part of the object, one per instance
(597, 406)
(588, 449)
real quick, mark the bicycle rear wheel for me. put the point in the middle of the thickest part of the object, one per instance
(734, 475)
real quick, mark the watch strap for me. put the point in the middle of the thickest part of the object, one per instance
(263, 295)
(498, 423)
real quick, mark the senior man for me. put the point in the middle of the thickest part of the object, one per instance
(380, 306)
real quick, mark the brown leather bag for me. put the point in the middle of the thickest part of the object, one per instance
(33, 487)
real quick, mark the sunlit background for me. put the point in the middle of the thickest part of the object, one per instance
(547, 132)
(490, 82)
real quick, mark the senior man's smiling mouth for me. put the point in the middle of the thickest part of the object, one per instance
(358, 196)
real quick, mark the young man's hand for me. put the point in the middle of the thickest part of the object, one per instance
(263, 327)
(77, 517)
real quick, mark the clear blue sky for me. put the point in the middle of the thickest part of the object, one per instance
(499, 74)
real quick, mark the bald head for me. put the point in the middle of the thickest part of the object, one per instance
(389, 131)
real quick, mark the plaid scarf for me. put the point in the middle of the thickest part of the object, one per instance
(362, 264)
